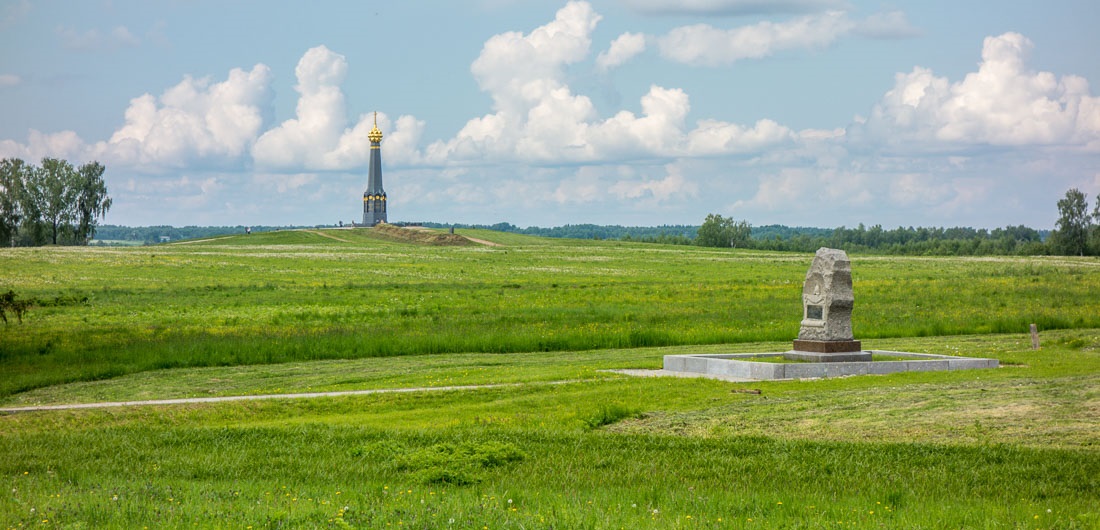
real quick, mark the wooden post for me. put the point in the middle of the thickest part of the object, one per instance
(1034, 337)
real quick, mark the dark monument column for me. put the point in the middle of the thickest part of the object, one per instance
(374, 199)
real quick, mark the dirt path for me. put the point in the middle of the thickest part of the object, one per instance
(473, 239)
(330, 236)
(483, 242)
(193, 241)
(305, 395)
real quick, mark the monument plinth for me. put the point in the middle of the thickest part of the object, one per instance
(827, 300)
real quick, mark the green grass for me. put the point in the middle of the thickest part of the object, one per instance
(569, 445)
(290, 296)
(974, 449)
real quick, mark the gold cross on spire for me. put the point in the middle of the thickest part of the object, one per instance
(375, 135)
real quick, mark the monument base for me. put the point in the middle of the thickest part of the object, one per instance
(815, 357)
(828, 351)
(827, 346)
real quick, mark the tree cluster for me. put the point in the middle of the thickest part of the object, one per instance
(724, 232)
(1078, 231)
(54, 203)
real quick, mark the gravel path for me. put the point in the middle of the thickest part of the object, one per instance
(305, 395)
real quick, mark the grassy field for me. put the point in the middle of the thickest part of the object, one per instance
(310, 295)
(569, 445)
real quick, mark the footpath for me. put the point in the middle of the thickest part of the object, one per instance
(304, 395)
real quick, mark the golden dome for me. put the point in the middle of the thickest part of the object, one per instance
(375, 135)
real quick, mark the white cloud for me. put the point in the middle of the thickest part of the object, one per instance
(7, 80)
(713, 137)
(705, 45)
(513, 66)
(95, 40)
(730, 7)
(673, 184)
(65, 144)
(888, 25)
(585, 186)
(544, 153)
(1002, 104)
(916, 189)
(791, 187)
(622, 49)
(319, 138)
(538, 119)
(192, 123)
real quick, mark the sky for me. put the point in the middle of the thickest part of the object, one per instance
(819, 113)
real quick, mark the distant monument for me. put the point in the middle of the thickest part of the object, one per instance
(374, 199)
(827, 301)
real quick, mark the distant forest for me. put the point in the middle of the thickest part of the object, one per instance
(151, 235)
(1013, 240)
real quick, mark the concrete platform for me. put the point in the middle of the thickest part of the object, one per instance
(737, 365)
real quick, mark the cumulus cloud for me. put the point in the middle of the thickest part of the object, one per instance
(319, 138)
(65, 144)
(194, 122)
(538, 118)
(1002, 104)
(622, 49)
(730, 7)
(544, 152)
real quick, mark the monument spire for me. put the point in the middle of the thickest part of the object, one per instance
(374, 199)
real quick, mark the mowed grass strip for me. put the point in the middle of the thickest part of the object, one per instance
(284, 297)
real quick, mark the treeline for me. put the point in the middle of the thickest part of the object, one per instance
(149, 235)
(664, 233)
(54, 203)
(1011, 240)
(965, 241)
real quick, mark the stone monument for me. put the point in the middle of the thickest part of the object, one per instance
(827, 300)
(825, 347)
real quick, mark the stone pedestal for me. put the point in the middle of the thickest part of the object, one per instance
(836, 356)
(827, 346)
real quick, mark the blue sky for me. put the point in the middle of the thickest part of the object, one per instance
(537, 112)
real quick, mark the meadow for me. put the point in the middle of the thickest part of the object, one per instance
(567, 444)
(311, 295)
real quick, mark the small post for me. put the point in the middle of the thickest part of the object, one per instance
(1034, 337)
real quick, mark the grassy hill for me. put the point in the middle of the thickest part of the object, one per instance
(567, 445)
